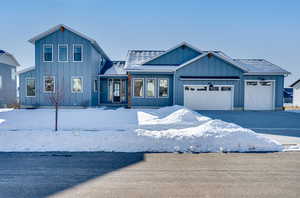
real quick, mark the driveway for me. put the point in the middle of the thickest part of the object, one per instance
(283, 126)
(94, 175)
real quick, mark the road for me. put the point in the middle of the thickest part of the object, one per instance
(94, 175)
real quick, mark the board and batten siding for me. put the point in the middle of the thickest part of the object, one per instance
(156, 101)
(209, 66)
(175, 57)
(64, 71)
(8, 91)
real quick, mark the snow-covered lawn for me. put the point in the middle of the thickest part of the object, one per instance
(168, 129)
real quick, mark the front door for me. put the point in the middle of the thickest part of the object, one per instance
(116, 91)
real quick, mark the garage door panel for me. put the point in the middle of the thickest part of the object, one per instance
(208, 98)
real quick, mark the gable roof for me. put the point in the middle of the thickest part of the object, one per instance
(57, 27)
(225, 58)
(171, 49)
(8, 59)
(295, 83)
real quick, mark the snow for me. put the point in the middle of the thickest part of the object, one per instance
(168, 129)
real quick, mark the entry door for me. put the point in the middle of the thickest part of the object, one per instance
(116, 91)
(205, 97)
(259, 95)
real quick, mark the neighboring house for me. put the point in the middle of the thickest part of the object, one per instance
(70, 62)
(8, 81)
(296, 93)
(288, 95)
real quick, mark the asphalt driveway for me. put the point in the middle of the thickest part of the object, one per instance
(94, 175)
(283, 125)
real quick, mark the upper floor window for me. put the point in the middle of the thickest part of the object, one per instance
(163, 89)
(77, 85)
(30, 87)
(13, 74)
(48, 53)
(62, 52)
(77, 53)
(49, 84)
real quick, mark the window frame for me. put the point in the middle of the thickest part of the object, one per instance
(44, 45)
(143, 87)
(158, 86)
(65, 45)
(81, 45)
(44, 78)
(30, 78)
(1, 82)
(75, 92)
(146, 89)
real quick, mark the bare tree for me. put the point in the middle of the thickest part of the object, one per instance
(56, 98)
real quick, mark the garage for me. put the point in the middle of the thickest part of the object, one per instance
(259, 95)
(209, 97)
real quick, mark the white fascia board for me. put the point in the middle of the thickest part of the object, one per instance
(26, 70)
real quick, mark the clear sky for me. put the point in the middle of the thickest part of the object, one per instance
(242, 29)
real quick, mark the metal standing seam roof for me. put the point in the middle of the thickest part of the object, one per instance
(8, 58)
(117, 68)
(136, 57)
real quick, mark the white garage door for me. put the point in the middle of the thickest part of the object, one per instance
(199, 97)
(259, 95)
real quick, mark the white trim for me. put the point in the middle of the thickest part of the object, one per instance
(273, 94)
(44, 84)
(158, 84)
(193, 79)
(26, 70)
(266, 73)
(44, 53)
(222, 85)
(215, 54)
(66, 45)
(154, 71)
(76, 92)
(143, 87)
(171, 49)
(1, 82)
(81, 53)
(30, 78)
(146, 87)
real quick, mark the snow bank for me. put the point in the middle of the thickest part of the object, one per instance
(168, 129)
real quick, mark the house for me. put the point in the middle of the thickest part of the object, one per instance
(296, 93)
(288, 95)
(68, 61)
(8, 85)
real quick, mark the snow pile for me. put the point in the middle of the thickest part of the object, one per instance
(168, 129)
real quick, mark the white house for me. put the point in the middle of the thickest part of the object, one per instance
(296, 93)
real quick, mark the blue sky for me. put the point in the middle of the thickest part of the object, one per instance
(242, 29)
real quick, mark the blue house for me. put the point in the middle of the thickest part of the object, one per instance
(8, 80)
(74, 67)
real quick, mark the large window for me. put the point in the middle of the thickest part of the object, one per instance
(62, 52)
(13, 74)
(30, 87)
(49, 84)
(138, 87)
(163, 87)
(48, 53)
(150, 91)
(77, 85)
(77, 53)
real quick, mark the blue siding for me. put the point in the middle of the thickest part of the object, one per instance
(63, 71)
(24, 100)
(175, 57)
(8, 92)
(153, 101)
(206, 66)
(104, 93)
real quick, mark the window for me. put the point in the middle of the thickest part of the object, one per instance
(150, 88)
(225, 88)
(266, 83)
(138, 87)
(202, 89)
(0, 82)
(77, 53)
(49, 84)
(95, 85)
(48, 53)
(13, 74)
(77, 85)
(63, 53)
(30, 87)
(163, 87)
(252, 83)
(212, 88)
